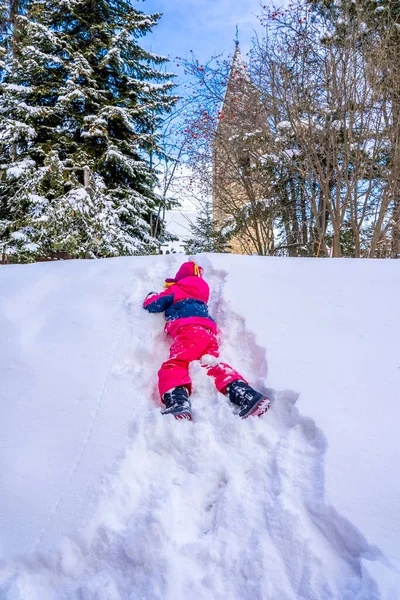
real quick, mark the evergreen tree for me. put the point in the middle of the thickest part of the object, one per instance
(205, 237)
(81, 105)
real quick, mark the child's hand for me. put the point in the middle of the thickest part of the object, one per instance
(151, 294)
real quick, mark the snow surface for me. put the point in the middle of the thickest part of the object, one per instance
(102, 498)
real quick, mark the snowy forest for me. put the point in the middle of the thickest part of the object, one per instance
(93, 128)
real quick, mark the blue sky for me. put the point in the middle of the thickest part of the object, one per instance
(204, 26)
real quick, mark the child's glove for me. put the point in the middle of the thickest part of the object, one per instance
(169, 282)
(151, 294)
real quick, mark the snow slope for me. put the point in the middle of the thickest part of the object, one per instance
(101, 498)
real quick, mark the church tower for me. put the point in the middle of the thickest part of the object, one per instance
(238, 201)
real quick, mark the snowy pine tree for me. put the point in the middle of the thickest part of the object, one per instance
(80, 107)
(205, 236)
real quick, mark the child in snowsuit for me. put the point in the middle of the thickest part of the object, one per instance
(184, 302)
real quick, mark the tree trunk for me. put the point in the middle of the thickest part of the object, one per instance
(395, 250)
(303, 215)
(295, 222)
(396, 226)
(14, 14)
(336, 249)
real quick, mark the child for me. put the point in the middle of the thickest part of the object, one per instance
(184, 302)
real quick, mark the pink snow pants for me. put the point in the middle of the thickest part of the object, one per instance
(192, 342)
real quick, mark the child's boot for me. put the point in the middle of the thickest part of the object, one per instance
(251, 403)
(177, 403)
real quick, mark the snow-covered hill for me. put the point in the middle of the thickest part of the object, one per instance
(102, 498)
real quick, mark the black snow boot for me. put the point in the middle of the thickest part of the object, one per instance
(177, 403)
(251, 403)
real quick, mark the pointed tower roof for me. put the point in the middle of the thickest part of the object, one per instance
(239, 93)
(238, 75)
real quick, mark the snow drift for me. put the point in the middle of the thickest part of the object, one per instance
(102, 498)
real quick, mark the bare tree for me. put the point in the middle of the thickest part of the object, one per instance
(301, 148)
(327, 117)
(225, 127)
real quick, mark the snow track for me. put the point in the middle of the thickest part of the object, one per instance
(218, 508)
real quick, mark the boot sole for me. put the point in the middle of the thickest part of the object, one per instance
(259, 408)
(183, 416)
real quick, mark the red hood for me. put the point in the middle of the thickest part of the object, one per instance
(192, 287)
(189, 269)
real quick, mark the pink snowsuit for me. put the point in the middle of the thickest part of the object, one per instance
(192, 329)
